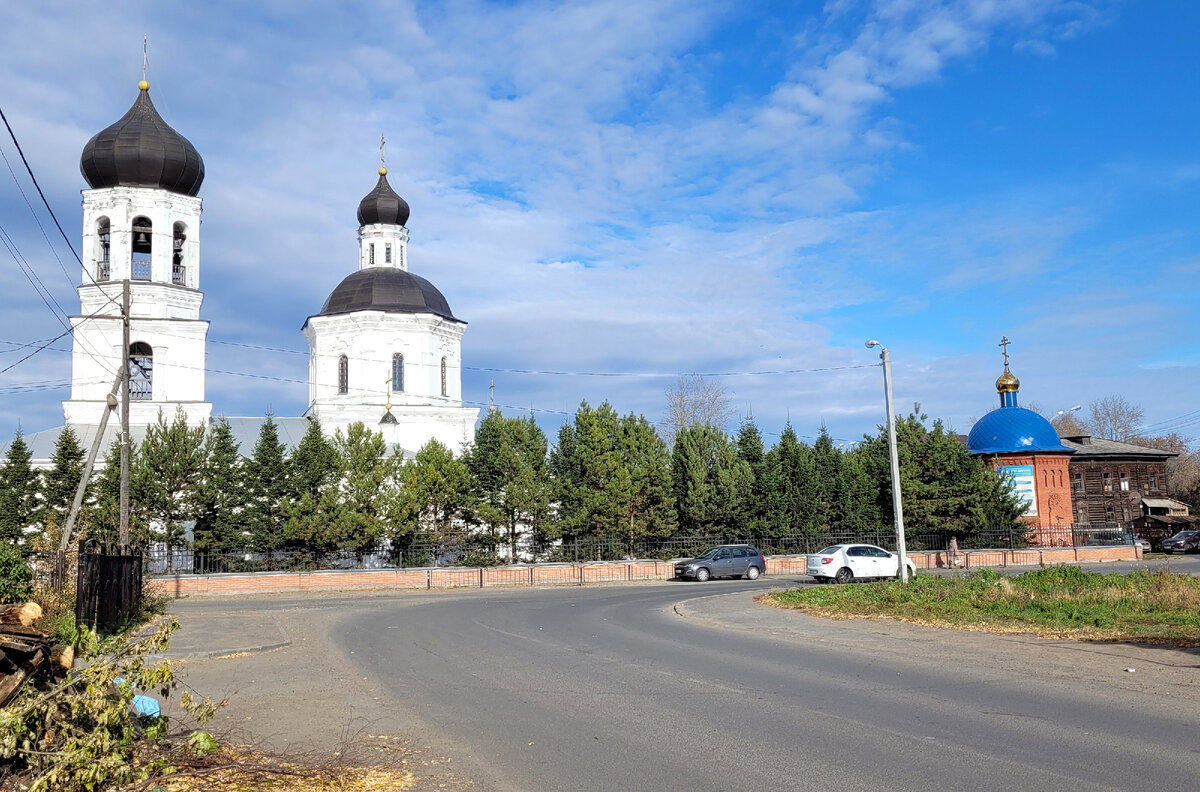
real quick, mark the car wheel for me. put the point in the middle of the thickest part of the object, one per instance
(752, 573)
(844, 575)
(702, 575)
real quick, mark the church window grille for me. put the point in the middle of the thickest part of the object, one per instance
(343, 375)
(371, 254)
(445, 391)
(104, 253)
(142, 247)
(178, 271)
(397, 373)
(141, 371)
(387, 254)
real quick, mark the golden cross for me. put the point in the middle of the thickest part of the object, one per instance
(382, 159)
(145, 39)
(1004, 342)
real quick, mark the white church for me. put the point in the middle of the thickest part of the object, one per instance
(385, 348)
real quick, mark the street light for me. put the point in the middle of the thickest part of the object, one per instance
(891, 422)
(1068, 410)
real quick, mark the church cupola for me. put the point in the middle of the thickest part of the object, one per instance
(142, 150)
(382, 235)
(1007, 383)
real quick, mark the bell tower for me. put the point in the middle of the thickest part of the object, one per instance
(141, 223)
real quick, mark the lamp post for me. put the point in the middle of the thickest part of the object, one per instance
(895, 457)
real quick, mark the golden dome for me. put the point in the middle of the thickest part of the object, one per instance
(1007, 382)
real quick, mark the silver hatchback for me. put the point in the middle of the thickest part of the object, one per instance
(723, 561)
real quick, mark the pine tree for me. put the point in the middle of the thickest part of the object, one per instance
(591, 479)
(710, 480)
(791, 497)
(60, 484)
(220, 498)
(312, 491)
(433, 496)
(169, 470)
(509, 477)
(650, 507)
(751, 513)
(265, 482)
(19, 484)
(357, 521)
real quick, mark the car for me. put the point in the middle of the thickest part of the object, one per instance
(723, 561)
(845, 563)
(1182, 542)
(1142, 543)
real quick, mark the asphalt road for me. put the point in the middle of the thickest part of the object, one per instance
(687, 686)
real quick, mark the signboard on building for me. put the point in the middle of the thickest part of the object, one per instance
(1024, 485)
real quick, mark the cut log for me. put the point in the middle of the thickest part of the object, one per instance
(11, 684)
(24, 615)
(62, 657)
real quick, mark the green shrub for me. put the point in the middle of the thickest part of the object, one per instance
(16, 578)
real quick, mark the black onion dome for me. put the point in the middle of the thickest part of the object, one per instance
(142, 150)
(387, 289)
(382, 205)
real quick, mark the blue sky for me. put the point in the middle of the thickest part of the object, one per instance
(661, 188)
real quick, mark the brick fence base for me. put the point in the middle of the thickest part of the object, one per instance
(570, 574)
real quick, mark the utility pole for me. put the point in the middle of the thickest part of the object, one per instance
(123, 532)
(897, 507)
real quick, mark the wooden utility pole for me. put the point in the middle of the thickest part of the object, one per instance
(123, 532)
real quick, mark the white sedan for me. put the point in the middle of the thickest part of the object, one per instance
(847, 562)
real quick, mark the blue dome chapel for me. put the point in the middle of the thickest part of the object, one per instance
(1012, 429)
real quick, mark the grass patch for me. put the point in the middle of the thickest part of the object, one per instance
(1064, 602)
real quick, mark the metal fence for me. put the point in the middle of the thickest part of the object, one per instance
(474, 553)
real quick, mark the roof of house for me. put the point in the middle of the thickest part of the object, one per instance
(1086, 446)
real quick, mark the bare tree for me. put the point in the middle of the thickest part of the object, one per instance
(1115, 418)
(1067, 425)
(694, 400)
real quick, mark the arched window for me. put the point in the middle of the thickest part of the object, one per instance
(178, 271)
(143, 234)
(343, 374)
(103, 249)
(444, 391)
(397, 373)
(141, 371)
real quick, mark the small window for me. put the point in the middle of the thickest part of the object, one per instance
(1124, 482)
(1077, 481)
(371, 254)
(397, 373)
(1081, 516)
(1125, 513)
(445, 391)
(141, 371)
(343, 375)
(1153, 481)
(387, 254)
(1107, 478)
(142, 248)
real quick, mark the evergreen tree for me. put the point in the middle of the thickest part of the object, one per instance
(312, 495)
(358, 500)
(433, 496)
(791, 498)
(710, 480)
(592, 482)
(265, 482)
(105, 518)
(509, 477)
(752, 512)
(60, 484)
(220, 498)
(19, 484)
(168, 475)
(944, 489)
(649, 507)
